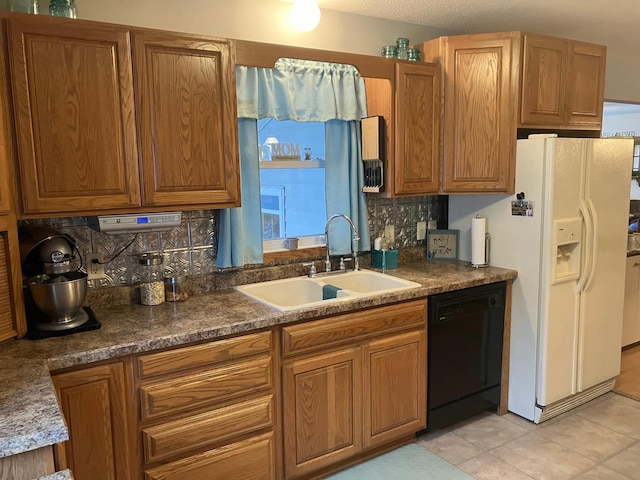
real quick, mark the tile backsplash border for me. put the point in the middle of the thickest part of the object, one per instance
(190, 249)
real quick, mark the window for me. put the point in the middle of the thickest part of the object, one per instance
(292, 182)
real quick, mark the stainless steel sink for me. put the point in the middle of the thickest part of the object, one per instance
(303, 292)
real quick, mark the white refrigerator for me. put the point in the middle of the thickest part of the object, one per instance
(565, 233)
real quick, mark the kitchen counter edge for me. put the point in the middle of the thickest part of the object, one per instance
(29, 413)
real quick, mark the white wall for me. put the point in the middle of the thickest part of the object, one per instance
(623, 76)
(256, 20)
(265, 21)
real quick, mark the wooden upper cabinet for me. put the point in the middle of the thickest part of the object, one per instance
(74, 114)
(585, 84)
(562, 83)
(480, 115)
(497, 83)
(543, 80)
(417, 146)
(186, 98)
(410, 105)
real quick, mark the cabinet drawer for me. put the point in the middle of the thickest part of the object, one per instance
(196, 356)
(345, 328)
(180, 436)
(202, 388)
(251, 459)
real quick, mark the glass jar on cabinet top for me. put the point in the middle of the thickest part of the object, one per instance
(151, 279)
(390, 51)
(24, 6)
(63, 8)
(403, 48)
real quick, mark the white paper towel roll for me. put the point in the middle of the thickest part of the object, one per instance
(478, 234)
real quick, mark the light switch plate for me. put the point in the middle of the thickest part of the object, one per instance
(421, 233)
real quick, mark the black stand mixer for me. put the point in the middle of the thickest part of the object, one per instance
(54, 287)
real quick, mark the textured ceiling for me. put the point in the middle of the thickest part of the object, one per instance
(612, 23)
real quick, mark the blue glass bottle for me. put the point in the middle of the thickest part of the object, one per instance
(63, 8)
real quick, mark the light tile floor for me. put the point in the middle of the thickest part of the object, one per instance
(596, 441)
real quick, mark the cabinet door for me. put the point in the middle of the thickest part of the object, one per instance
(322, 410)
(395, 378)
(74, 114)
(543, 80)
(585, 84)
(188, 126)
(6, 137)
(95, 406)
(631, 294)
(12, 318)
(417, 155)
(480, 114)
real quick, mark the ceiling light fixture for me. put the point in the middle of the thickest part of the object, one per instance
(305, 15)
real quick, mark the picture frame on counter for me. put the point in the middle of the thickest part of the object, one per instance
(442, 244)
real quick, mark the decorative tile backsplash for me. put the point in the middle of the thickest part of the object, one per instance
(191, 248)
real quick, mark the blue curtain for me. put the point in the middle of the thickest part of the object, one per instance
(240, 237)
(304, 91)
(344, 180)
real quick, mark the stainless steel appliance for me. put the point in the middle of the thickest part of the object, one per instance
(54, 286)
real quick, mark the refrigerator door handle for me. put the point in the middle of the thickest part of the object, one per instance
(585, 272)
(593, 236)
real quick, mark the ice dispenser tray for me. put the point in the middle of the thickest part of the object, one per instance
(567, 239)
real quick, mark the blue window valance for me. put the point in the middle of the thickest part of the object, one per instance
(301, 90)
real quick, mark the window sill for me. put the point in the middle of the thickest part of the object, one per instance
(298, 254)
(316, 163)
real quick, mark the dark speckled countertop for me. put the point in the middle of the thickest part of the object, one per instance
(29, 414)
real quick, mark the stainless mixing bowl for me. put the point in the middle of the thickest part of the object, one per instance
(61, 296)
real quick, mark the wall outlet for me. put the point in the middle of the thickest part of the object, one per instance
(95, 270)
(421, 230)
(390, 235)
(433, 224)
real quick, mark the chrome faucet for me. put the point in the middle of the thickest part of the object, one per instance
(356, 238)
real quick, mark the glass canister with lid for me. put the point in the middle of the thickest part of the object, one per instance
(403, 48)
(174, 288)
(151, 279)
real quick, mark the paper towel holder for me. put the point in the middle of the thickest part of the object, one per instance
(487, 249)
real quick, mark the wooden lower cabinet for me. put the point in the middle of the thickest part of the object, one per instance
(210, 411)
(95, 403)
(251, 459)
(395, 380)
(27, 465)
(364, 394)
(322, 410)
(631, 312)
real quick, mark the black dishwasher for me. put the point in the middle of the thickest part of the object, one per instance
(465, 334)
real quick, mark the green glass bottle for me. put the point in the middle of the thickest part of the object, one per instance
(63, 8)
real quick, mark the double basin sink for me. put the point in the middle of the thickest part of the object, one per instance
(303, 292)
